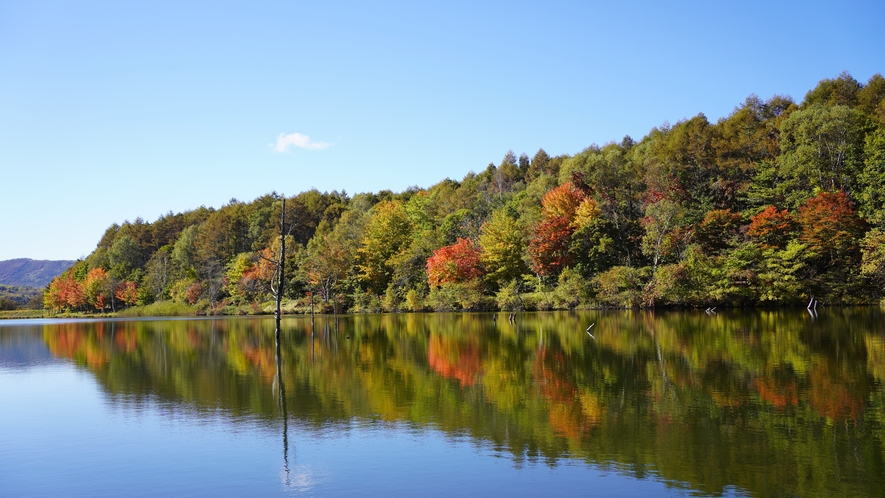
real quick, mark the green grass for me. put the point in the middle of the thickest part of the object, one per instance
(23, 314)
(161, 308)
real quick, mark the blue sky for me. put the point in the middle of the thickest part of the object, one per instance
(110, 110)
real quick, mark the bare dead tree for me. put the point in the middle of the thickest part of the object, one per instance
(278, 281)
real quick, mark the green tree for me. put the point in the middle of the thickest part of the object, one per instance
(840, 91)
(503, 242)
(821, 148)
(240, 288)
(873, 257)
(871, 98)
(124, 256)
(663, 218)
(782, 274)
(328, 261)
(184, 252)
(388, 232)
(872, 179)
(159, 272)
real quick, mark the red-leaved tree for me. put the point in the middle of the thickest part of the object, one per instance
(549, 247)
(127, 292)
(772, 228)
(830, 228)
(458, 262)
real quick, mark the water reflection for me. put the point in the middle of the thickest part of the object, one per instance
(769, 402)
(281, 392)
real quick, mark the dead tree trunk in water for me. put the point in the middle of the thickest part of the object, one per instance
(281, 270)
(278, 281)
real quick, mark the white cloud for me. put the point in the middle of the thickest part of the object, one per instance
(287, 140)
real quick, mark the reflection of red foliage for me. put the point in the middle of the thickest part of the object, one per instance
(127, 340)
(831, 396)
(264, 359)
(550, 377)
(65, 341)
(454, 361)
(567, 421)
(69, 341)
(779, 395)
(194, 339)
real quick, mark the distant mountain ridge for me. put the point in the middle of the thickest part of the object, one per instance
(31, 273)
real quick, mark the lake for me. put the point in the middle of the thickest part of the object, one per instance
(739, 403)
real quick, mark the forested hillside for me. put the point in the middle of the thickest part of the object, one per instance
(775, 204)
(24, 272)
(22, 281)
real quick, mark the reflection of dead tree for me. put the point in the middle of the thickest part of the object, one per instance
(282, 401)
(665, 379)
(812, 308)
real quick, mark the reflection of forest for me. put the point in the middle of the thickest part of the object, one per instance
(771, 402)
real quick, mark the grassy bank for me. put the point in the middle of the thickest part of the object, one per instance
(9, 315)
(161, 308)
(50, 314)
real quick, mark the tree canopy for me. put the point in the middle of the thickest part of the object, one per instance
(778, 202)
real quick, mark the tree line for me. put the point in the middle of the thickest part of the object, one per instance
(778, 203)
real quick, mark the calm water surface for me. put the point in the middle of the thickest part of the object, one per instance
(743, 403)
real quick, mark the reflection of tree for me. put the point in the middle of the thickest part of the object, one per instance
(454, 360)
(781, 395)
(833, 396)
(281, 397)
(555, 379)
(695, 398)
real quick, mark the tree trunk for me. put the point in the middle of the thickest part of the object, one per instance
(281, 268)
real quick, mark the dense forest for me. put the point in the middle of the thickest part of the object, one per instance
(779, 203)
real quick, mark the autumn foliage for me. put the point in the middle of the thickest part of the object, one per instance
(771, 228)
(549, 248)
(127, 293)
(562, 201)
(65, 292)
(458, 262)
(829, 224)
(774, 204)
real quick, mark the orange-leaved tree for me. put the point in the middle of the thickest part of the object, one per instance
(65, 292)
(772, 228)
(549, 247)
(551, 237)
(830, 227)
(562, 201)
(127, 292)
(98, 288)
(458, 262)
